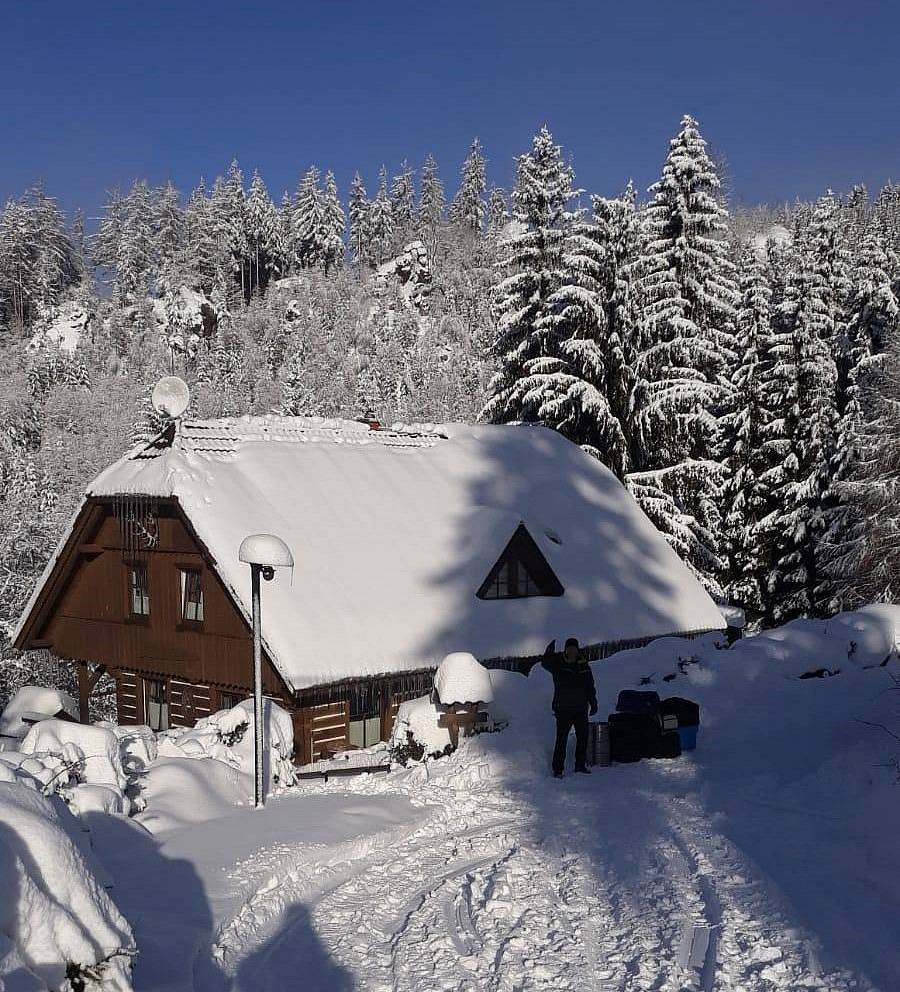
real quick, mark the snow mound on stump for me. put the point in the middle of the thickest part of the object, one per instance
(34, 701)
(95, 749)
(55, 917)
(461, 679)
(228, 736)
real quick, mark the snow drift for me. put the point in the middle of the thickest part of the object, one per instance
(55, 918)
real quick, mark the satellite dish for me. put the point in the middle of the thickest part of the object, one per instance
(171, 396)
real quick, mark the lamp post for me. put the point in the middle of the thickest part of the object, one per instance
(263, 553)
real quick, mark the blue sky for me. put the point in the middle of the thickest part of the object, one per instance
(795, 96)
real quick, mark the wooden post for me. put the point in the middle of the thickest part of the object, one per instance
(87, 682)
(84, 693)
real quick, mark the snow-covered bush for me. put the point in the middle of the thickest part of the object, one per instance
(30, 703)
(416, 734)
(228, 736)
(95, 748)
(59, 929)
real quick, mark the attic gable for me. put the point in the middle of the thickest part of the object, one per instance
(520, 571)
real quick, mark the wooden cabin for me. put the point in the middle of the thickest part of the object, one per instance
(408, 544)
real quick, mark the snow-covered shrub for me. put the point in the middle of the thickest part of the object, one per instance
(228, 736)
(461, 679)
(57, 923)
(32, 701)
(97, 749)
(416, 734)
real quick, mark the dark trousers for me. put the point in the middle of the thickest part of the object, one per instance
(565, 721)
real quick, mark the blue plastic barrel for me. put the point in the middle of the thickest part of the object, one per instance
(688, 737)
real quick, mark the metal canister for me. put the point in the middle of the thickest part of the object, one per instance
(600, 745)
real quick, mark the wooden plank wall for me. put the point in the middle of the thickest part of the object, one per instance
(321, 729)
(129, 697)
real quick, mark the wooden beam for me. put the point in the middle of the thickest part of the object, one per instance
(87, 682)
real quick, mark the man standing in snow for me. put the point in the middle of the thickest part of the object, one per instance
(574, 696)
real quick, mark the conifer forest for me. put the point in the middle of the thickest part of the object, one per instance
(737, 368)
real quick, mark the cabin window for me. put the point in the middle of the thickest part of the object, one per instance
(228, 700)
(365, 731)
(156, 704)
(521, 571)
(140, 591)
(191, 595)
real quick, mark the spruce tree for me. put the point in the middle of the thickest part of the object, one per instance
(746, 496)
(135, 258)
(498, 214)
(468, 206)
(686, 345)
(800, 384)
(262, 224)
(430, 213)
(529, 383)
(403, 200)
(200, 240)
(168, 233)
(381, 221)
(359, 208)
(334, 223)
(309, 221)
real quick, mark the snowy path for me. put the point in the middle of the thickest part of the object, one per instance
(618, 882)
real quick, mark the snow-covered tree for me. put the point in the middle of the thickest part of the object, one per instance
(530, 379)
(136, 257)
(200, 240)
(333, 226)
(746, 497)
(403, 201)
(381, 221)
(800, 386)
(468, 206)
(309, 220)
(168, 234)
(686, 342)
(359, 209)
(262, 228)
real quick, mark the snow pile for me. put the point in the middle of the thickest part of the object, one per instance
(416, 732)
(228, 736)
(461, 679)
(31, 704)
(95, 749)
(56, 921)
(823, 647)
(179, 791)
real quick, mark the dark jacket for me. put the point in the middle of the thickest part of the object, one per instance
(573, 684)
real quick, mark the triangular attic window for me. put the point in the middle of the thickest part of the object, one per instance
(520, 571)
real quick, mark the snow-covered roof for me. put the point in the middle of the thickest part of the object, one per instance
(394, 531)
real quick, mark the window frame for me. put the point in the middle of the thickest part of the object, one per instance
(132, 568)
(185, 621)
(163, 704)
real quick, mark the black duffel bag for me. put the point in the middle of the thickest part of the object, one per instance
(636, 701)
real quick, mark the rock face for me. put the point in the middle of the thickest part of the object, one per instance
(410, 271)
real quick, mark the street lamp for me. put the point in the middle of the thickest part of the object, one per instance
(263, 553)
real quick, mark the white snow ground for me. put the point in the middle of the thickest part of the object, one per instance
(766, 860)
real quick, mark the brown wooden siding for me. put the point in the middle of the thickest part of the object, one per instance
(129, 697)
(88, 617)
(321, 730)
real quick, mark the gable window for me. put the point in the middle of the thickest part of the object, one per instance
(520, 571)
(191, 595)
(140, 591)
(156, 704)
